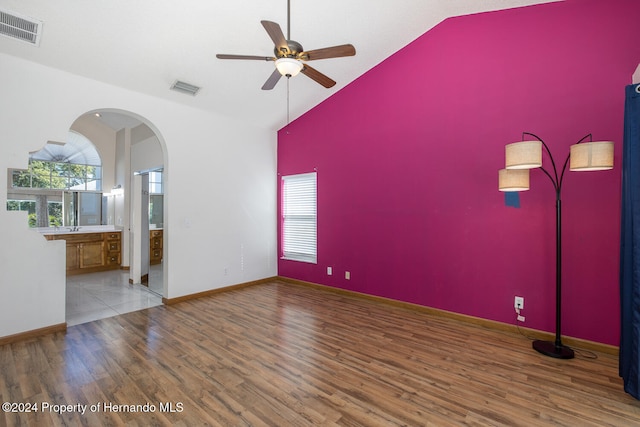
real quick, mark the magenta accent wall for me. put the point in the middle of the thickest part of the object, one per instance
(408, 156)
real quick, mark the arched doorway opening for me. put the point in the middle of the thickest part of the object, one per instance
(137, 148)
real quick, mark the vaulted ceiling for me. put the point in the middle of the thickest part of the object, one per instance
(146, 45)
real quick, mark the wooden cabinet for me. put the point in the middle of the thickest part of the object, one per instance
(155, 246)
(91, 255)
(91, 252)
(113, 256)
(73, 255)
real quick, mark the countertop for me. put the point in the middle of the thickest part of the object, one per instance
(47, 231)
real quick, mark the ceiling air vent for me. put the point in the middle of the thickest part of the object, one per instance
(20, 27)
(185, 88)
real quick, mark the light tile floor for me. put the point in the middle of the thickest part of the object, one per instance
(96, 296)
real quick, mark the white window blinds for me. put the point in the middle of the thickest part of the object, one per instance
(299, 208)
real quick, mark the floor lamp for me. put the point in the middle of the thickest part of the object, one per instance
(522, 156)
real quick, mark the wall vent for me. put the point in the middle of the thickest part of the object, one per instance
(20, 27)
(185, 87)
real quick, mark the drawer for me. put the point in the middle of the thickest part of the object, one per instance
(112, 259)
(156, 233)
(112, 236)
(113, 246)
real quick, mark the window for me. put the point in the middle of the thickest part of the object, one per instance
(299, 209)
(54, 210)
(54, 175)
(71, 165)
(155, 182)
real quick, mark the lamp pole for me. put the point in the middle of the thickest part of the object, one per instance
(556, 349)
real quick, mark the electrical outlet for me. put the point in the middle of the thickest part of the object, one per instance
(329, 271)
(518, 303)
(347, 275)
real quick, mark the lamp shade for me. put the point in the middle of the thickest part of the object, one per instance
(591, 156)
(513, 179)
(523, 155)
(288, 67)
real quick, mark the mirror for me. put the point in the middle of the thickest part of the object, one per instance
(81, 208)
(156, 217)
(156, 199)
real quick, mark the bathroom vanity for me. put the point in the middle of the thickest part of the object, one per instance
(91, 250)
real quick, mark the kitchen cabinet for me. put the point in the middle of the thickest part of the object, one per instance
(155, 246)
(90, 252)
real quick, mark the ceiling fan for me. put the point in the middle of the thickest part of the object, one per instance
(290, 58)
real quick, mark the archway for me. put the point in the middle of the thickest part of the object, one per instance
(136, 146)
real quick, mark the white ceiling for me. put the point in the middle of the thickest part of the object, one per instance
(145, 45)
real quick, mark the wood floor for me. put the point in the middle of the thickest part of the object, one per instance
(280, 354)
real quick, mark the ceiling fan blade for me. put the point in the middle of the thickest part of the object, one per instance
(260, 58)
(328, 52)
(276, 34)
(272, 80)
(317, 76)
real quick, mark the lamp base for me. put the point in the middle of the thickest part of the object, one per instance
(549, 348)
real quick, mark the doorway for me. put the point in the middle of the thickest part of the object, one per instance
(132, 146)
(148, 230)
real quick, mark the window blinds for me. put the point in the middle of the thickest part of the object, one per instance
(299, 208)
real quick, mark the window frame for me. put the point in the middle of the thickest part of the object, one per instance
(299, 215)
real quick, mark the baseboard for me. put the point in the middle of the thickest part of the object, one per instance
(485, 323)
(34, 333)
(176, 300)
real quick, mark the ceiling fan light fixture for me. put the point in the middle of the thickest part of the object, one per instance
(289, 67)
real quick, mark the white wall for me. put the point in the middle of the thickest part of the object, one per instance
(146, 154)
(102, 138)
(220, 181)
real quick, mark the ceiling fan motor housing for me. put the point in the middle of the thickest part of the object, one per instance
(294, 48)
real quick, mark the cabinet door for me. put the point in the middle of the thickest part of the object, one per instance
(72, 256)
(91, 254)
